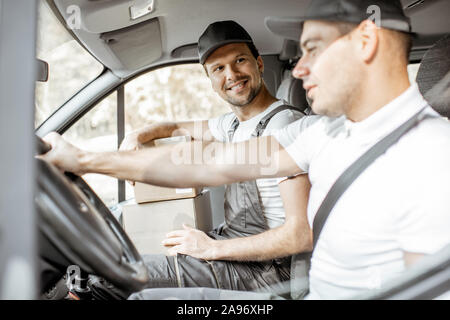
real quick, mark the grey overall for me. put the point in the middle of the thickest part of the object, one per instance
(243, 217)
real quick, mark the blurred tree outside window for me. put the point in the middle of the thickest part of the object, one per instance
(175, 93)
(71, 67)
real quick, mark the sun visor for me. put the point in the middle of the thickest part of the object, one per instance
(135, 46)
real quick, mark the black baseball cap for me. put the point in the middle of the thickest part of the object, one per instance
(391, 16)
(218, 34)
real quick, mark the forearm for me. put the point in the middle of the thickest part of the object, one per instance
(274, 243)
(173, 166)
(153, 166)
(156, 131)
(195, 129)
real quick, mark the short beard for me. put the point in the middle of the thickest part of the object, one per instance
(251, 96)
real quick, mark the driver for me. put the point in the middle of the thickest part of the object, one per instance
(355, 71)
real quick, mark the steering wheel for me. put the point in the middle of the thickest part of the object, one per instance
(78, 223)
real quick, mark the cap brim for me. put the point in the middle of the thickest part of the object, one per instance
(291, 27)
(207, 53)
(287, 27)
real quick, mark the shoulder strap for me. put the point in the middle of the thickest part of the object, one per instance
(266, 119)
(261, 126)
(232, 130)
(353, 172)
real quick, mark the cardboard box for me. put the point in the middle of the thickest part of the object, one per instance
(149, 193)
(147, 224)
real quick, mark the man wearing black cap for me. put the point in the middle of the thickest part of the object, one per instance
(355, 72)
(252, 208)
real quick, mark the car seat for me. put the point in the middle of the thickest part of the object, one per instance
(433, 76)
(291, 90)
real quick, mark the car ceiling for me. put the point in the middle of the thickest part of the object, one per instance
(169, 33)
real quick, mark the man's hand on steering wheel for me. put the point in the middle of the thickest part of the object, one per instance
(62, 154)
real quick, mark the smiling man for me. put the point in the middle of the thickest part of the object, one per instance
(397, 210)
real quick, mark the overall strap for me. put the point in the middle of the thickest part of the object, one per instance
(262, 123)
(266, 119)
(233, 129)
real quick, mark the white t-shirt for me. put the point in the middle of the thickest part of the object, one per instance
(269, 193)
(398, 204)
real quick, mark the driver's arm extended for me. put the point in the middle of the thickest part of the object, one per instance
(184, 165)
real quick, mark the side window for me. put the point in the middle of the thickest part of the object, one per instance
(97, 131)
(176, 93)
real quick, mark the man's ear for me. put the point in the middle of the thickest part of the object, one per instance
(368, 40)
(260, 63)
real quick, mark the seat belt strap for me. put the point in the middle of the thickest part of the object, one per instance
(353, 172)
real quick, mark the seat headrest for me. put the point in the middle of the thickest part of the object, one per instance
(433, 77)
(291, 90)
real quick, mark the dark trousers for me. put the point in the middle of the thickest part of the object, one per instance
(187, 271)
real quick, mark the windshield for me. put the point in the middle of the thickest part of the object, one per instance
(71, 67)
